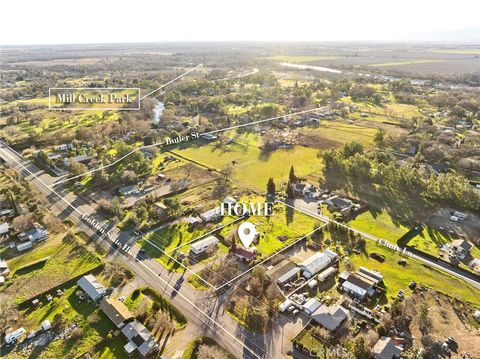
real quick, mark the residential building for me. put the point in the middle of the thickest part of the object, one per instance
(461, 247)
(211, 215)
(203, 245)
(245, 254)
(92, 287)
(318, 262)
(34, 235)
(160, 209)
(78, 159)
(311, 305)
(361, 283)
(330, 317)
(386, 348)
(343, 205)
(139, 339)
(288, 276)
(116, 311)
(326, 273)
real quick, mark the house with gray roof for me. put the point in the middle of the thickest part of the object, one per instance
(92, 287)
(139, 339)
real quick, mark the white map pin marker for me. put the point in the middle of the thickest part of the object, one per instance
(247, 233)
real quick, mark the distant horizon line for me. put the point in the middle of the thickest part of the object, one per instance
(430, 42)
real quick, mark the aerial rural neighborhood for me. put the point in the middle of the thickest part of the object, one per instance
(223, 199)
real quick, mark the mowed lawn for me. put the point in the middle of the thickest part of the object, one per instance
(253, 167)
(46, 265)
(379, 224)
(397, 277)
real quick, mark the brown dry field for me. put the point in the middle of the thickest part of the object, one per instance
(448, 320)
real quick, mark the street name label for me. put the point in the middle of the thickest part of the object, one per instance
(86, 98)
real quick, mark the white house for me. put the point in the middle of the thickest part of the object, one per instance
(46, 325)
(202, 245)
(284, 305)
(360, 284)
(317, 262)
(211, 215)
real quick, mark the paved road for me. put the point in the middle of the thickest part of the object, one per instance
(200, 307)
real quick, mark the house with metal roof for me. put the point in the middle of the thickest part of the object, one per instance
(311, 305)
(33, 235)
(318, 262)
(288, 276)
(203, 245)
(92, 287)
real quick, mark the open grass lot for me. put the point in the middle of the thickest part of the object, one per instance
(177, 235)
(429, 241)
(379, 224)
(397, 277)
(249, 157)
(284, 222)
(92, 326)
(389, 111)
(47, 265)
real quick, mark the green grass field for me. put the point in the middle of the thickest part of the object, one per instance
(249, 157)
(379, 224)
(397, 277)
(429, 240)
(63, 261)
